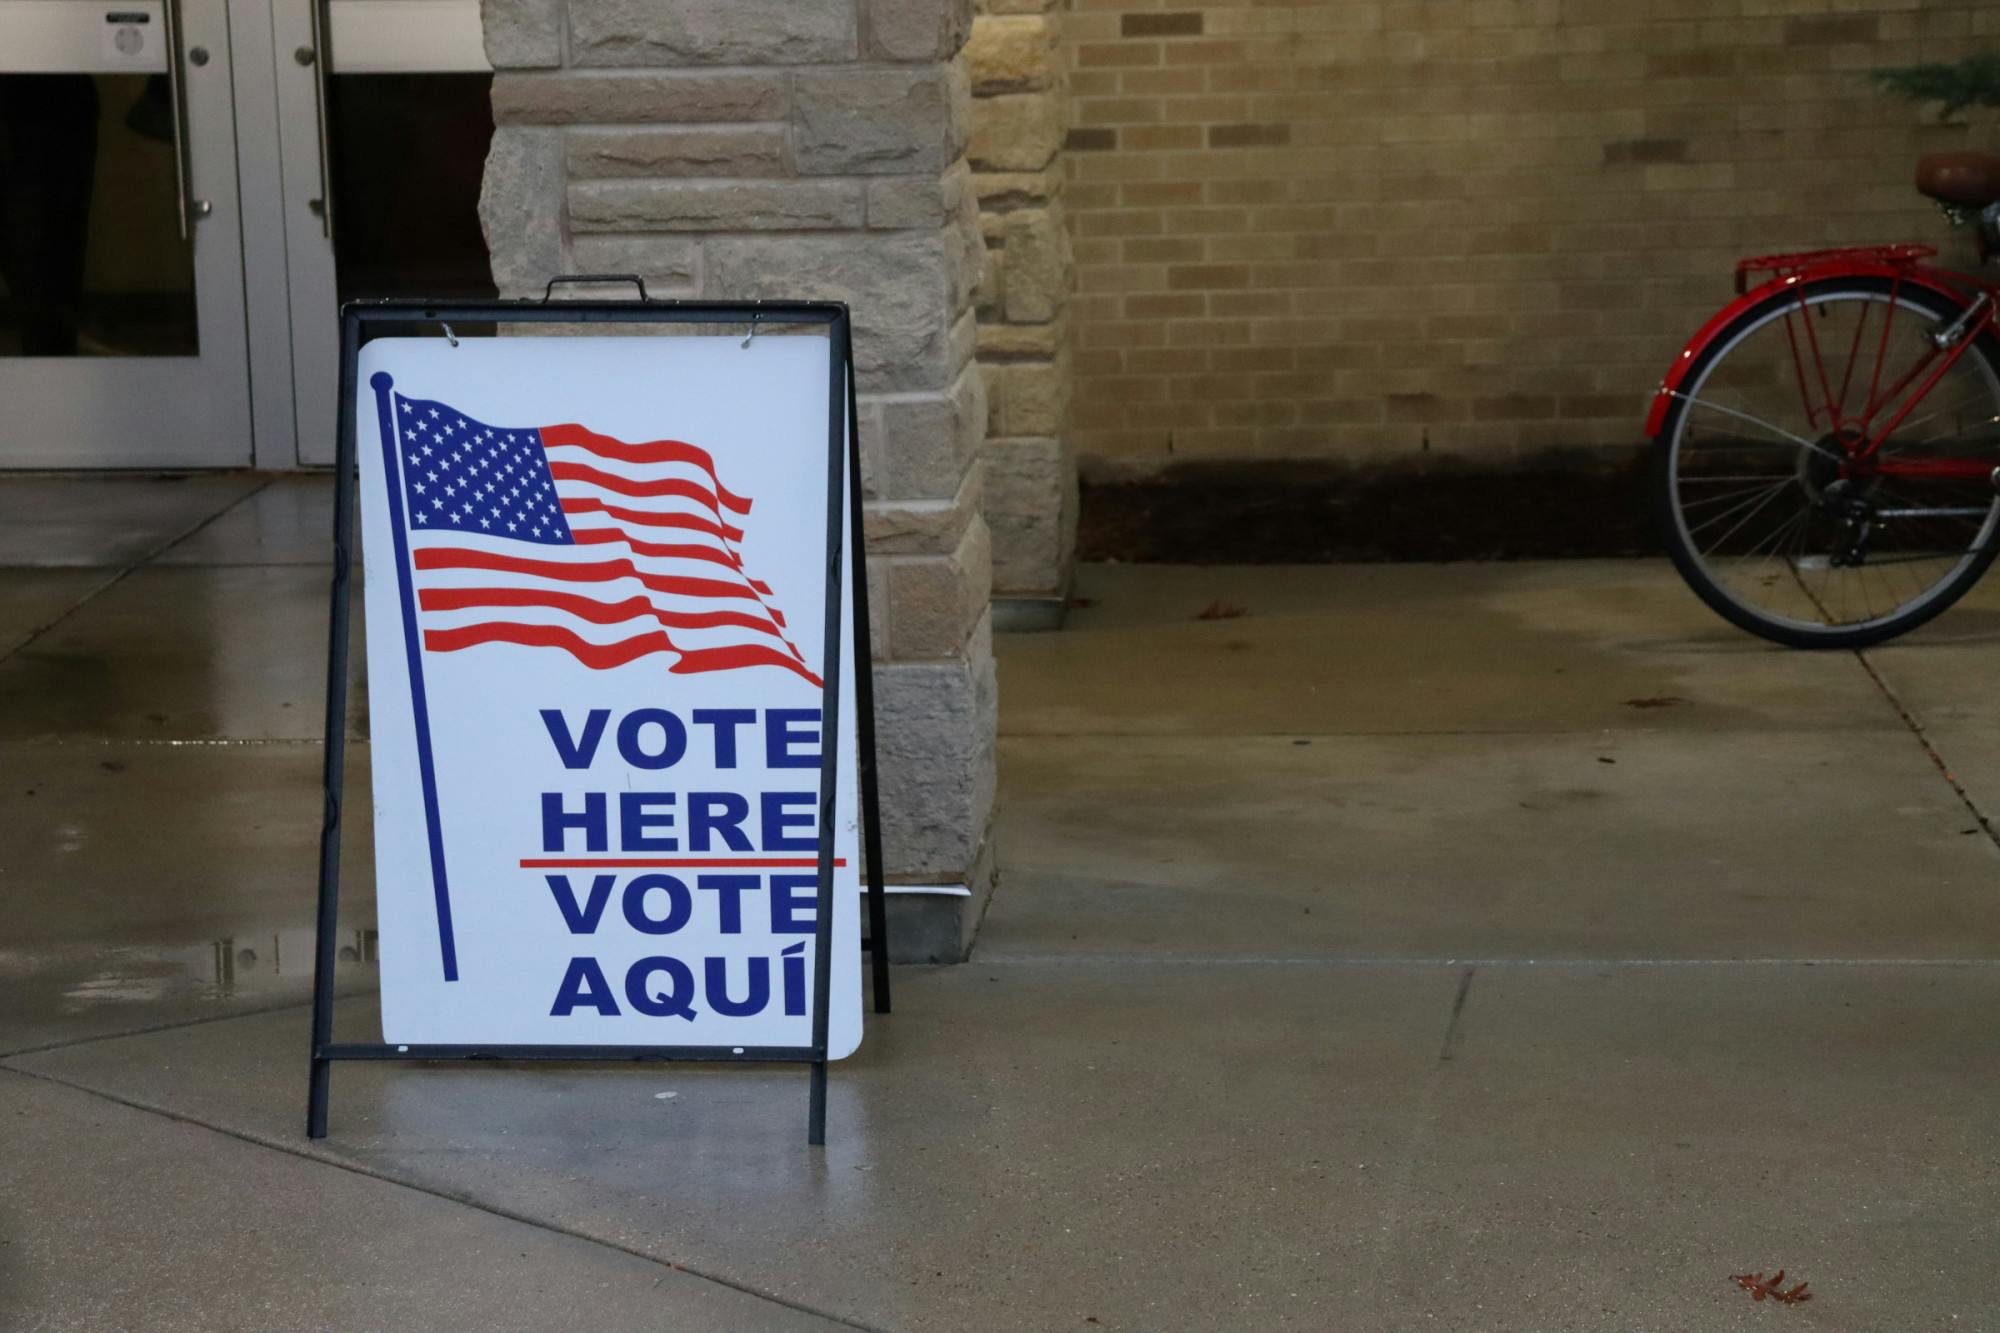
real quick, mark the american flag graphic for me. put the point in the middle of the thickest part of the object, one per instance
(558, 537)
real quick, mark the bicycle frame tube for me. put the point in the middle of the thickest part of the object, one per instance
(1937, 469)
(1958, 349)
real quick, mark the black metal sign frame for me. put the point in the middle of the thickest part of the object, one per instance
(361, 322)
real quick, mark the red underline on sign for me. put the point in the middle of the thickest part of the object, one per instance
(670, 862)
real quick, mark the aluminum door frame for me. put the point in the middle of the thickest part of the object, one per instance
(152, 412)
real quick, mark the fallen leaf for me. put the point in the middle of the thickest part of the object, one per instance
(1774, 1286)
(1220, 611)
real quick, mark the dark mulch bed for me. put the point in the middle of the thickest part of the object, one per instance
(1294, 513)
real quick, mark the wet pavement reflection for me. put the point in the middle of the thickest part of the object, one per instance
(57, 994)
(161, 704)
(1383, 965)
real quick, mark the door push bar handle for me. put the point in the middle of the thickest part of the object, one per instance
(319, 58)
(187, 209)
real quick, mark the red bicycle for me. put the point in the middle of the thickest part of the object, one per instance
(1827, 448)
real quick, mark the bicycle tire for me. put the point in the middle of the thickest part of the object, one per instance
(1667, 507)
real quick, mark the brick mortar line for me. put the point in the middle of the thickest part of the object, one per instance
(695, 73)
(649, 126)
(370, 1173)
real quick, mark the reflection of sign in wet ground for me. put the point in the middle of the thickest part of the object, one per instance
(598, 573)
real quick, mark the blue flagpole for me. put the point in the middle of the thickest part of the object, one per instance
(392, 473)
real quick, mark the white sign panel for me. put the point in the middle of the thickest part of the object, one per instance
(596, 606)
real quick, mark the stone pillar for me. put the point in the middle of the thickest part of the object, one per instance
(739, 149)
(1018, 122)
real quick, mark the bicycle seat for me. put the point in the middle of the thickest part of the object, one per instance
(1964, 180)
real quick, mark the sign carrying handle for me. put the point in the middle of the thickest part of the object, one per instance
(549, 292)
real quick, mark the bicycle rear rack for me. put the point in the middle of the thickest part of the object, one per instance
(1778, 266)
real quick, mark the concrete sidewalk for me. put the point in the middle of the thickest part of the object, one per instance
(1471, 947)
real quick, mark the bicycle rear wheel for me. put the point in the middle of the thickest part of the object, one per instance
(1781, 503)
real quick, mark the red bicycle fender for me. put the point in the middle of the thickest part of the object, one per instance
(1930, 279)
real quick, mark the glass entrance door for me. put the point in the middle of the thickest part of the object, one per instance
(385, 113)
(122, 338)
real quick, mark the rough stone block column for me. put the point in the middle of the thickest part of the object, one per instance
(1018, 122)
(802, 149)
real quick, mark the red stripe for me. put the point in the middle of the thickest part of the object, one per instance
(603, 536)
(668, 862)
(596, 656)
(713, 554)
(447, 557)
(611, 481)
(640, 516)
(742, 655)
(588, 608)
(601, 656)
(653, 451)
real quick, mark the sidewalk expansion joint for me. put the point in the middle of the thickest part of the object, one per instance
(1916, 727)
(148, 558)
(1457, 1010)
(370, 1173)
(150, 1029)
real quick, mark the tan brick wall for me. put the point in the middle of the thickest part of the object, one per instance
(1360, 229)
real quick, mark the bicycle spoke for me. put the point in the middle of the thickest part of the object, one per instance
(1754, 503)
(1776, 539)
(1778, 431)
(1775, 493)
(1914, 422)
(1731, 495)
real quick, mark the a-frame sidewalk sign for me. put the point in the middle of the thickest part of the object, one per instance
(620, 704)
